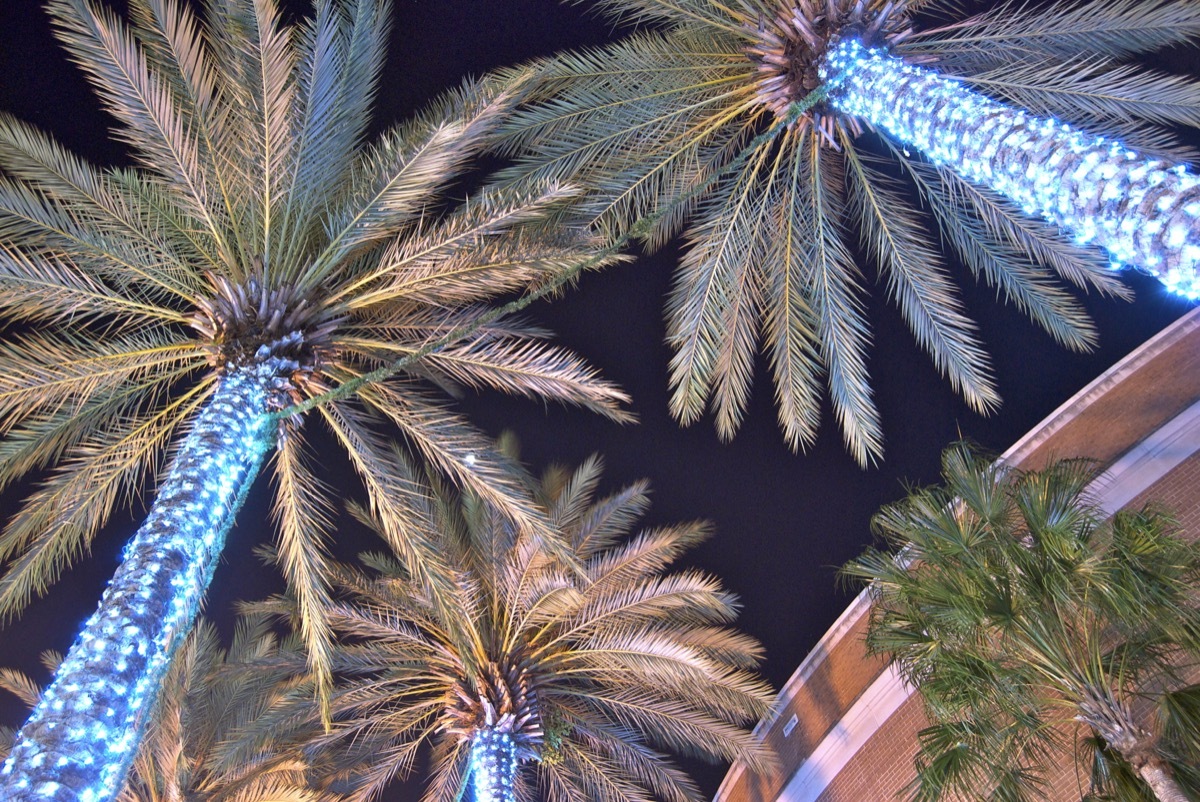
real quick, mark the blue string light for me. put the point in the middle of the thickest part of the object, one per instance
(1142, 211)
(82, 736)
(493, 766)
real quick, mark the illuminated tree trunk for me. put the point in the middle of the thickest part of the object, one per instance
(1142, 211)
(81, 738)
(493, 766)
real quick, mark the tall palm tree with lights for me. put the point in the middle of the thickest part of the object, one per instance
(1032, 627)
(171, 315)
(565, 667)
(209, 697)
(787, 137)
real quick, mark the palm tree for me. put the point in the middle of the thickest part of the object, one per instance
(568, 665)
(260, 253)
(1023, 617)
(754, 123)
(209, 697)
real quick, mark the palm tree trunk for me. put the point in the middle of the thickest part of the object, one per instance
(81, 738)
(493, 766)
(1162, 782)
(1144, 212)
(1137, 746)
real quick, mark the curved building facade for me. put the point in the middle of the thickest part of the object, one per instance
(846, 726)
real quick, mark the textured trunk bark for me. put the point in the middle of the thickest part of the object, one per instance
(1144, 212)
(1162, 782)
(493, 766)
(79, 742)
(1113, 721)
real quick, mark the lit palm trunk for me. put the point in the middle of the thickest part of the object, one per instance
(82, 736)
(493, 766)
(1142, 211)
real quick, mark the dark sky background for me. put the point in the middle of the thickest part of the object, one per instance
(783, 521)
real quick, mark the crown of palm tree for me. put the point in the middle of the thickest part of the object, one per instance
(651, 123)
(581, 668)
(1034, 628)
(260, 252)
(258, 222)
(210, 696)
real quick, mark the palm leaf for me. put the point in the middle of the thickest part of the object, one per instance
(917, 281)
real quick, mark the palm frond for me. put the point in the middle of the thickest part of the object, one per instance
(636, 134)
(457, 451)
(49, 371)
(53, 290)
(1086, 269)
(1000, 264)
(494, 243)
(668, 11)
(138, 98)
(394, 182)
(74, 189)
(842, 327)
(532, 369)
(395, 501)
(609, 519)
(302, 511)
(55, 524)
(917, 281)
(341, 55)
(20, 686)
(1113, 28)
(1095, 90)
(714, 304)
(790, 324)
(1014, 616)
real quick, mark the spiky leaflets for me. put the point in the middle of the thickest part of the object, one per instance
(1037, 632)
(649, 122)
(209, 697)
(260, 252)
(580, 674)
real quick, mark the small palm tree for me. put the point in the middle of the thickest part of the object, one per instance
(260, 253)
(1023, 617)
(209, 697)
(761, 123)
(567, 666)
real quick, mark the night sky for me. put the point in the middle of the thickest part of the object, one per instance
(783, 521)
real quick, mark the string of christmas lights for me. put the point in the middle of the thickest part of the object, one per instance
(82, 736)
(1142, 211)
(493, 766)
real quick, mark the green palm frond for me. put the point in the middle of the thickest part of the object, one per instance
(1031, 626)
(618, 665)
(843, 331)
(712, 314)
(151, 123)
(663, 11)
(484, 248)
